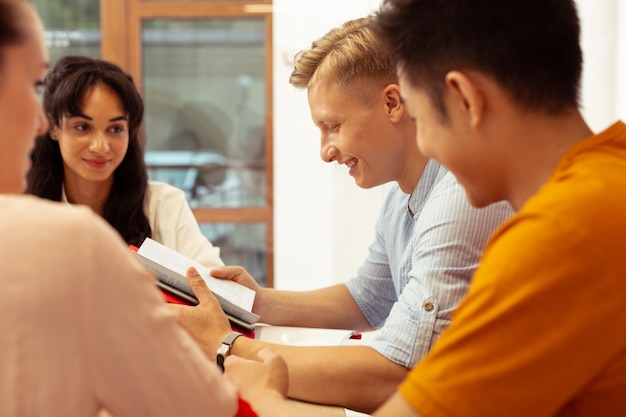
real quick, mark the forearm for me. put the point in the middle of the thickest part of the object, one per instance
(396, 407)
(330, 307)
(273, 405)
(355, 377)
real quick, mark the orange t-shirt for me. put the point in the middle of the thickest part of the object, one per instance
(542, 331)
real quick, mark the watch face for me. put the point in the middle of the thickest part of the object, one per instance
(220, 361)
(221, 356)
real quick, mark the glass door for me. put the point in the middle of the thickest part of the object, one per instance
(204, 89)
(205, 68)
(72, 27)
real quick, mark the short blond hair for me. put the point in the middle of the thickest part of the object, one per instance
(350, 55)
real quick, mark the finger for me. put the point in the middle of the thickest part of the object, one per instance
(236, 367)
(198, 286)
(267, 354)
(226, 272)
(220, 272)
(234, 360)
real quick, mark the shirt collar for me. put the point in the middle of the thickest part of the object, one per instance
(433, 172)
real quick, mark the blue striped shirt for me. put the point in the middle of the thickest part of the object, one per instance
(419, 267)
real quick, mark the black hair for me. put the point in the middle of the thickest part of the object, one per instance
(530, 47)
(12, 31)
(65, 87)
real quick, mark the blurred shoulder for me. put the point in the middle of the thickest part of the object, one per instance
(30, 220)
(18, 210)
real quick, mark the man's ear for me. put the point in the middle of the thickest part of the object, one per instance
(465, 93)
(393, 102)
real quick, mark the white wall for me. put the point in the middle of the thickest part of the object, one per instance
(323, 222)
(620, 85)
(600, 39)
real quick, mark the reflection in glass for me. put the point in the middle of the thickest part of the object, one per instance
(241, 244)
(72, 27)
(204, 89)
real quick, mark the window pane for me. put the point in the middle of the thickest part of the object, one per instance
(72, 27)
(204, 89)
(241, 244)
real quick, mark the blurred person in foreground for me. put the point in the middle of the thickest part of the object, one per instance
(83, 326)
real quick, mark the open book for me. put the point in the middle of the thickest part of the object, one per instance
(170, 268)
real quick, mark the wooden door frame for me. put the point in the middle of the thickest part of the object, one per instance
(121, 44)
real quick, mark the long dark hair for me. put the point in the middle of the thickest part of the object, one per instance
(65, 87)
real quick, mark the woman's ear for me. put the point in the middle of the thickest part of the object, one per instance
(54, 133)
(393, 102)
(466, 96)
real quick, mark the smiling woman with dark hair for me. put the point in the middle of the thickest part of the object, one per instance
(93, 155)
(119, 188)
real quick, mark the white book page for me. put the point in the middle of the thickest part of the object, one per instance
(170, 259)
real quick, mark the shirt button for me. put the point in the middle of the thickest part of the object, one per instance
(428, 306)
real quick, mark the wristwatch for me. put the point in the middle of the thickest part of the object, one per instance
(224, 349)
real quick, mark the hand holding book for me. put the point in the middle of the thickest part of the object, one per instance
(236, 274)
(170, 268)
(205, 322)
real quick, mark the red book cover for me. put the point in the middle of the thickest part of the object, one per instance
(171, 298)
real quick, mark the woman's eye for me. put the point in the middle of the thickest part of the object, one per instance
(333, 128)
(81, 127)
(117, 129)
